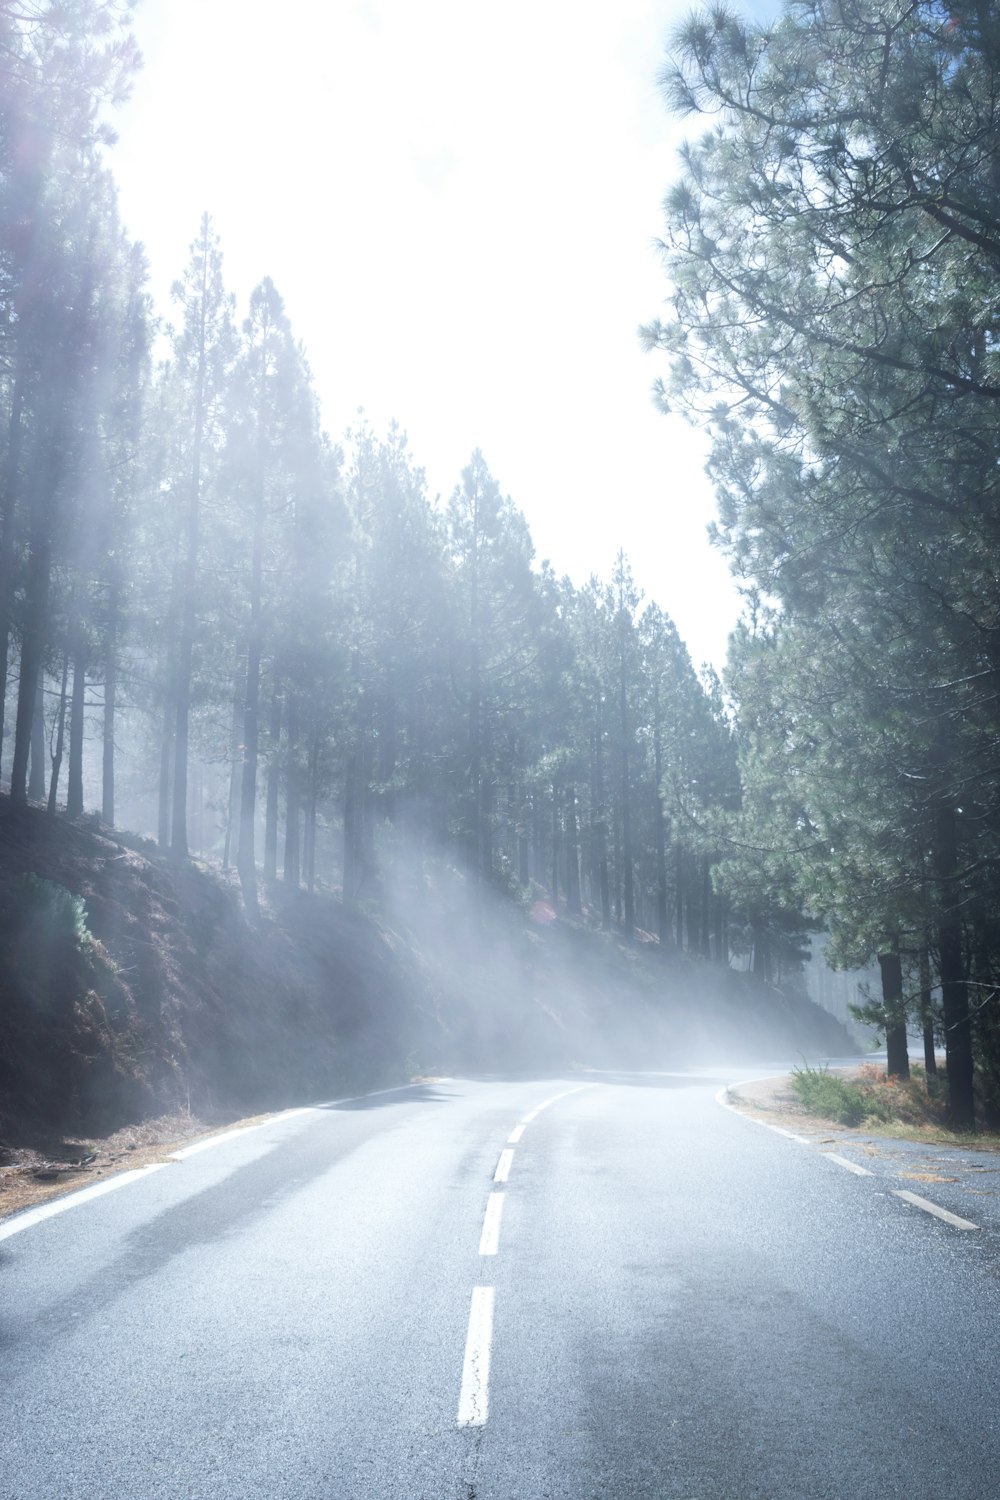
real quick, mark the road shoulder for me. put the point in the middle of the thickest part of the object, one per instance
(962, 1176)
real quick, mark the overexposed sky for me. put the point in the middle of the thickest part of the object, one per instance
(458, 203)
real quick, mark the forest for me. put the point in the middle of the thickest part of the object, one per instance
(274, 649)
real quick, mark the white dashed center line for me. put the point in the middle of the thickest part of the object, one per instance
(935, 1209)
(851, 1166)
(503, 1166)
(473, 1401)
(489, 1243)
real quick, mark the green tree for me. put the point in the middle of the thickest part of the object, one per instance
(61, 65)
(204, 348)
(831, 245)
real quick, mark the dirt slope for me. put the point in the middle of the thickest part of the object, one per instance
(157, 996)
(177, 1002)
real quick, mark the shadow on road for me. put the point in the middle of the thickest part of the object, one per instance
(625, 1079)
(420, 1093)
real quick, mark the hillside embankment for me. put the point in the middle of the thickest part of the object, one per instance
(132, 988)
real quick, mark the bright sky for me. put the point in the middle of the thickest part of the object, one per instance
(458, 204)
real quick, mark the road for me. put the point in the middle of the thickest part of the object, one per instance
(661, 1300)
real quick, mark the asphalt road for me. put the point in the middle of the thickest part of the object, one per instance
(667, 1301)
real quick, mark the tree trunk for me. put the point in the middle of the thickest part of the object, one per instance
(366, 807)
(761, 947)
(927, 1010)
(74, 791)
(196, 807)
(273, 773)
(693, 904)
(659, 830)
(351, 861)
(599, 828)
(235, 764)
(898, 1064)
(185, 655)
(722, 937)
(538, 873)
(10, 488)
(311, 813)
(954, 993)
(662, 919)
(475, 697)
(169, 722)
(166, 766)
(556, 844)
(108, 740)
(182, 711)
(57, 754)
(246, 860)
(292, 870)
(486, 795)
(573, 901)
(36, 779)
(33, 639)
(388, 736)
(626, 811)
(523, 845)
(59, 385)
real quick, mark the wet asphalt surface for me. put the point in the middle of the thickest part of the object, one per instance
(686, 1305)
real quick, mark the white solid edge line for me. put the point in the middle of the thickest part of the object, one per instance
(803, 1140)
(29, 1216)
(851, 1166)
(285, 1114)
(516, 1134)
(503, 1166)
(216, 1140)
(209, 1141)
(489, 1243)
(398, 1088)
(720, 1098)
(914, 1198)
(935, 1209)
(32, 1216)
(473, 1401)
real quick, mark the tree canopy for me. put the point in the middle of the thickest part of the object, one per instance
(832, 248)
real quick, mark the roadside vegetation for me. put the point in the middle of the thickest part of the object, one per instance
(832, 248)
(914, 1108)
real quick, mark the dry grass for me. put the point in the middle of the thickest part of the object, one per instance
(33, 1174)
(908, 1109)
(899, 1110)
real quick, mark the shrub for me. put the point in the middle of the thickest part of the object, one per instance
(44, 942)
(51, 908)
(823, 1093)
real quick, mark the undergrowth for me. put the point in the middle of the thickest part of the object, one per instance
(872, 1097)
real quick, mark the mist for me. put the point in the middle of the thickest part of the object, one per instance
(280, 655)
(437, 944)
